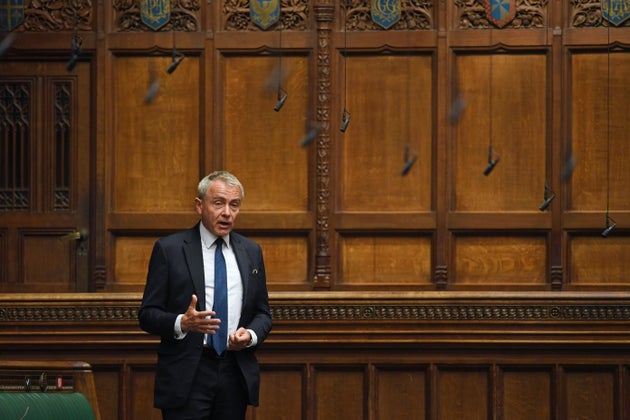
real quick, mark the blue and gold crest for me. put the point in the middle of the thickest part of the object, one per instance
(264, 13)
(11, 14)
(500, 12)
(155, 13)
(385, 13)
(616, 11)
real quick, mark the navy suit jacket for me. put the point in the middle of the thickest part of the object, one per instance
(175, 274)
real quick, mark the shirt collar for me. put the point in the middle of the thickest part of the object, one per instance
(208, 238)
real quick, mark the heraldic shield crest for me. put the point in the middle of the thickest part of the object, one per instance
(155, 13)
(500, 12)
(385, 13)
(264, 13)
(615, 11)
(11, 14)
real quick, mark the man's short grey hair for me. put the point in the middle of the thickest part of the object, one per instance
(224, 176)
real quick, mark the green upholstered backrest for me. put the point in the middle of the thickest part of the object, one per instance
(40, 406)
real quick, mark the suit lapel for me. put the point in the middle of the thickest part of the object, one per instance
(243, 261)
(194, 260)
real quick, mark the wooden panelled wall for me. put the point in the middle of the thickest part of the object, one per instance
(440, 293)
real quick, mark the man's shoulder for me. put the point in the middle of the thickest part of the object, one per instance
(185, 235)
(243, 240)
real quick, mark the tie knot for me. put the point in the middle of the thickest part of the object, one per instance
(219, 242)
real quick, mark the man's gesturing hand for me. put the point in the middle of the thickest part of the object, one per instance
(201, 322)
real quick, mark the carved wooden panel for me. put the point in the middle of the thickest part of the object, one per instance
(184, 16)
(155, 146)
(584, 14)
(506, 108)
(393, 120)
(61, 16)
(414, 15)
(496, 259)
(439, 355)
(600, 131)
(45, 143)
(294, 15)
(384, 260)
(528, 14)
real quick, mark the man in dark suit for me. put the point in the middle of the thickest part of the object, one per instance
(206, 365)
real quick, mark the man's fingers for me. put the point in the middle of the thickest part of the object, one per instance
(193, 303)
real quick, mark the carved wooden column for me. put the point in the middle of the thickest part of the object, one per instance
(324, 12)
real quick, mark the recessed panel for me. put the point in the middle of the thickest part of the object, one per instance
(281, 393)
(286, 259)
(590, 394)
(48, 262)
(263, 147)
(463, 394)
(391, 101)
(155, 145)
(525, 394)
(506, 110)
(132, 255)
(594, 260)
(487, 260)
(600, 130)
(400, 391)
(385, 260)
(339, 393)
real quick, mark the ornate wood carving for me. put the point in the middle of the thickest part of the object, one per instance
(294, 16)
(414, 15)
(452, 312)
(529, 14)
(184, 16)
(15, 129)
(441, 277)
(54, 16)
(324, 18)
(62, 144)
(511, 308)
(585, 13)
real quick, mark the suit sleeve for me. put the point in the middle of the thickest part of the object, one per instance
(154, 315)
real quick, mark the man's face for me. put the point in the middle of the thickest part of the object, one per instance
(219, 208)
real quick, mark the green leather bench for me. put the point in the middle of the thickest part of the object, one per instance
(45, 406)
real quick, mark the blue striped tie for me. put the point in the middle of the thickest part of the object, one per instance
(219, 339)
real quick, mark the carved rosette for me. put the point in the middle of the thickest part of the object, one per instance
(54, 16)
(529, 14)
(293, 16)
(184, 16)
(414, 15)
